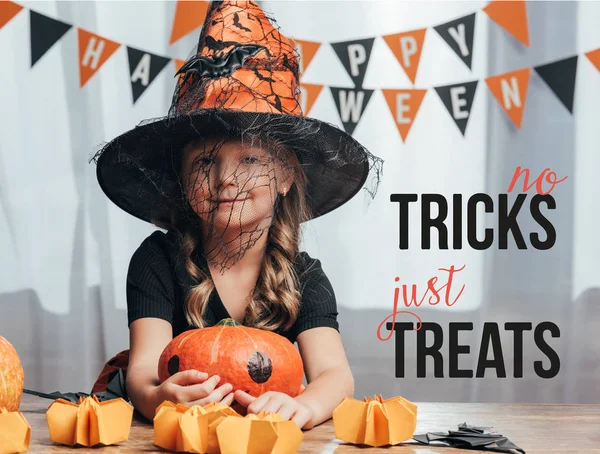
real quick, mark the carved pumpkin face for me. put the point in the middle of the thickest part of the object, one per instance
(252, 360)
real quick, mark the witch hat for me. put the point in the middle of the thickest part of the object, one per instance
(243, 79)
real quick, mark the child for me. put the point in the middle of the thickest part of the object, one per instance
(230, 174)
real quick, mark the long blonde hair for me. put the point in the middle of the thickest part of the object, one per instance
(275, 301)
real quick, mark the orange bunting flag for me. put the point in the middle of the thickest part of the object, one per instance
(15, 432)
(180, 428)
(259, 434)
(375, 422)
(308, 95)
(178, 64)
(306, 51)
(510, 90)
(94, 50)
(89, 422)
(8, 10)
(189, 15)
(594, 57)
(404, 105)
(407, 47)
(511, 16)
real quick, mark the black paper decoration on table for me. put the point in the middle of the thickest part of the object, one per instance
(470, 437)
(114, 390)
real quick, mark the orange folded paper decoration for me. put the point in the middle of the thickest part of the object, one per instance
(89, 422)
(15, 432)
(375, 422)
(259, 434)
(180, 428)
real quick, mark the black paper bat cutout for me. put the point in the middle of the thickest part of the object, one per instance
(470, 437)
(114, 390)
(220, 66)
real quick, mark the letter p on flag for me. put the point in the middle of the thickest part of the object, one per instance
(407, 47)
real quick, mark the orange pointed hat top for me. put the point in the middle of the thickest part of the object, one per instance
(242, 63)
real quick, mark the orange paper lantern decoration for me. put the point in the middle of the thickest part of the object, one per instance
(250, 359)
(375, 422)
(180, 428)
(15, 432)
(12, 377)
(89, 422)
(259, 434)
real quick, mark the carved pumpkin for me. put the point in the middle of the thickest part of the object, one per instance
(250, 359)
(11, 376)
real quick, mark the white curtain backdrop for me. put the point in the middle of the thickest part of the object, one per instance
(66, 248)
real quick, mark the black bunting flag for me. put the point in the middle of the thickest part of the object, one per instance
(355, 56)
(143, 69)
(351, 104)
(458, 99)
(560, 77)
(459, 34)
(44, 32)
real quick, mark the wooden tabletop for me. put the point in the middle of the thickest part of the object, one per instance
(538, 429)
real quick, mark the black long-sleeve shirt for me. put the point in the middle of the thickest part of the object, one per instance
(157, 285)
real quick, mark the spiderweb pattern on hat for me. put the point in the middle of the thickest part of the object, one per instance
(235, 153)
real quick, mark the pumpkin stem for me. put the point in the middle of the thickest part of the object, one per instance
(228, 322)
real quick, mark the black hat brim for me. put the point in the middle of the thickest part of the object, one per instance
(138, 170)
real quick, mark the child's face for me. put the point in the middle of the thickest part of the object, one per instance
(232, 185)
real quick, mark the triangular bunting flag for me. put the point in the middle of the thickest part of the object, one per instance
(308, 95)
(8, 10)
(560, 77)
(94, 50)
(44, 32)
(511, 16)
(178, 64)
(355, 56)
(306, 51)
(351, 104)
(407, 47)
(189, 15)
(459, 34)
(404, 105)
(143, 69)
(458, 99)
(594, 57)
(510, 90)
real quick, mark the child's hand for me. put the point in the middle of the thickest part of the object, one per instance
(274, 402)
(191, 387)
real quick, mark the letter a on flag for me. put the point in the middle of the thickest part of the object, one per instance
(510, 90)
(94, 50)
(407, 48)
(404, 105)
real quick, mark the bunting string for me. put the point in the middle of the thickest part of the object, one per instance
(509, 89)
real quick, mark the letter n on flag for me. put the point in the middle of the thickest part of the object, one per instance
(407, 48)
(510, 90)
(94, 50)
(404, 105)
